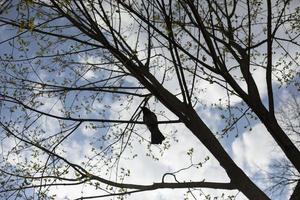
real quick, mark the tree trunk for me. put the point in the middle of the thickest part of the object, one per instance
(237, 176)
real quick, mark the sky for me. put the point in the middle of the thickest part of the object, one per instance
(253, 150)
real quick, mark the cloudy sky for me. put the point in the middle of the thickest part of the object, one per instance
(252, 148)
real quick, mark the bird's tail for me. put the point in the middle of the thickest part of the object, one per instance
(156, 136)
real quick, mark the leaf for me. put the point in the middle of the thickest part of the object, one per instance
(21, 26)
(31, 24)
(29, 2)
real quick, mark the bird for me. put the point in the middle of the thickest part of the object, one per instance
(150, 120)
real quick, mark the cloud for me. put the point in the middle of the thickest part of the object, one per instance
(254, 150)
(145, 170)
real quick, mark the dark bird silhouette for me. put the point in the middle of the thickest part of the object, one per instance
(150, 120)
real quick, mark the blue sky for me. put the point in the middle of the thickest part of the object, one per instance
(254, 151)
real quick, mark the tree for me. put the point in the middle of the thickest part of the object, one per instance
(138, 48)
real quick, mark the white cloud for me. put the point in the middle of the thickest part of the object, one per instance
(52, 106)
(145, 170)
(255, 150)
(259, 76)
(89, 75)
(88, 130)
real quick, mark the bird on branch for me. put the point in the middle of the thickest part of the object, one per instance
(150, 120)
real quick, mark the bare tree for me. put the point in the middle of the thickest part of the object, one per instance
(137, 47)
